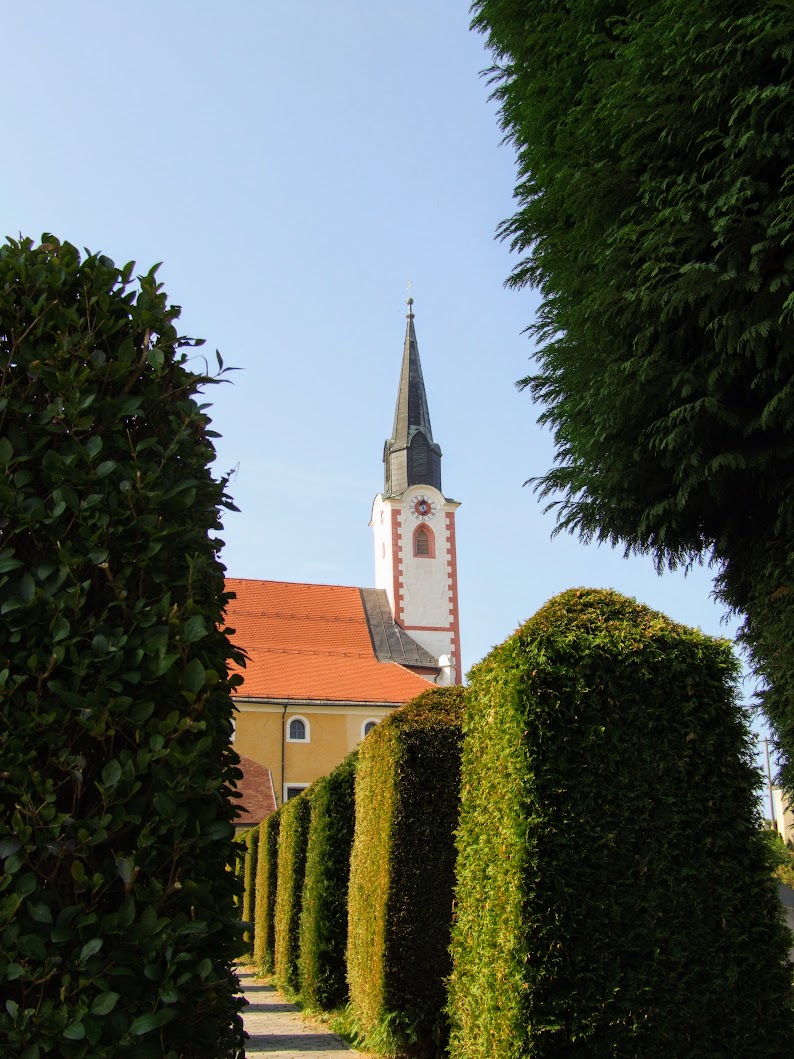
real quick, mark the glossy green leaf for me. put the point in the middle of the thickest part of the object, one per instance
(112, 773)
(193, 677)
(156, 358)
(194, 629)
(91, 947)
(8, 845)
(144, 1024)
(93, 446)
(104, 1003)
(40, 912)
(8, 562)
(27, 588)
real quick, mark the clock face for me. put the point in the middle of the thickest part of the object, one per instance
(422, 507)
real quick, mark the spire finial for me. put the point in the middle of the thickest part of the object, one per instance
(410, 302)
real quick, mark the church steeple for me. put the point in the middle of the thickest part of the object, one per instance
(410, 456)
(413, 526)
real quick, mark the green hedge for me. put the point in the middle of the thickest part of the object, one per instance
(266, 887)
(238, 867)
(402, 872)
(118, 929)
(323, 920)
(613, 894)
(249, 884)
(292, 840)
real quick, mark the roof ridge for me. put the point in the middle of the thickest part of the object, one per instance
(292, 584)
(312, 651)
(301, 615)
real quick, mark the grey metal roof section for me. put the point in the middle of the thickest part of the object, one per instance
(410, 456)
(389, 641)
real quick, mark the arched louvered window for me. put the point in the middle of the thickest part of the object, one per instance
(424, 544)
(419, 457)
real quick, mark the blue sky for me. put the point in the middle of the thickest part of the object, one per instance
(294, 166)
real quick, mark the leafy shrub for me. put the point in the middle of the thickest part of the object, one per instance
(266, 887)
(781, 857)
(117, 922)
(249, 883)
(292, 839)
(402, 872)
(323, 919)
(614, 895)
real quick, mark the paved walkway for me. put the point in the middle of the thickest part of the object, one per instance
(276, 1029)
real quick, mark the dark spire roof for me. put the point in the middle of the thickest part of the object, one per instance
(410, 456)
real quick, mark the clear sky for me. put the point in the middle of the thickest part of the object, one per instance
(293, 166)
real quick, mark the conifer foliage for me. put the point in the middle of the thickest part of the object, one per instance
(117, 920)
(655, 144)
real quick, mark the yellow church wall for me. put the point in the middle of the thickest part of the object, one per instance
(333, 732)
(258, 735)
(327, 745)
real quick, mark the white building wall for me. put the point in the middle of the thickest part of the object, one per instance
(384, 552)
(784, 816)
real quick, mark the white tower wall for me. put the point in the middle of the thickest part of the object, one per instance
(422, 589)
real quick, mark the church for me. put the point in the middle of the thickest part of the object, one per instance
(326, 663)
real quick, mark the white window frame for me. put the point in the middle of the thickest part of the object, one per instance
(294, 787)
(298, 717)
(369, 720)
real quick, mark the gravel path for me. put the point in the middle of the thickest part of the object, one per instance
(277, 1030)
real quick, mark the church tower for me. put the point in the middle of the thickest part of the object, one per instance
(414, 524)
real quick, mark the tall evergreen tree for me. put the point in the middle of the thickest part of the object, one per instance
(655, 143)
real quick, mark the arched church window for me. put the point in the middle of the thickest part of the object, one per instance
(424, 545)
(367, 727)
(298, 730)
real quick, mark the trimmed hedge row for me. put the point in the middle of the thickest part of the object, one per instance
(306, 849)
(238, 867)
(249, 884)
(118, 929)
(292, 840)
(402, 873)
(323, 919)
(613, 894)
(613, 891)
(266, 888)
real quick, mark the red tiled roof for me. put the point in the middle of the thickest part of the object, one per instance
(256, 787)
(311, 642)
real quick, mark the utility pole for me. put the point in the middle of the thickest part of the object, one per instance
(769, 786)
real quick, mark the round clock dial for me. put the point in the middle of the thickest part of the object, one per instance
(422, 507)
